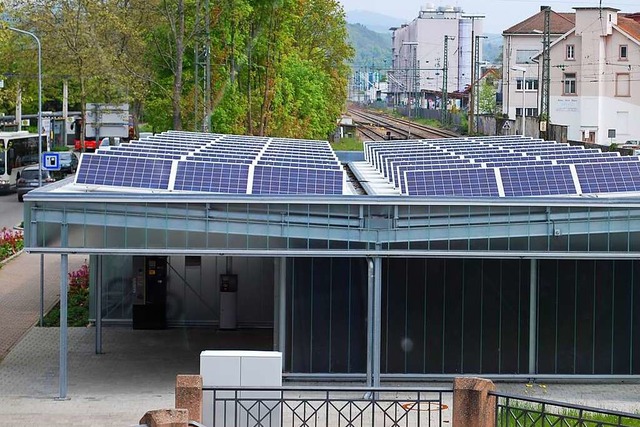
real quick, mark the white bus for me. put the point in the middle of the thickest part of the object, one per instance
(17, 150)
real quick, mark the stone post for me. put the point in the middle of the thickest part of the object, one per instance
(189, 395)
(166, 418)
(472, 405)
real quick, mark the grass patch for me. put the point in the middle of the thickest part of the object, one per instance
(78, 301)
(347, 144)
(534, 415)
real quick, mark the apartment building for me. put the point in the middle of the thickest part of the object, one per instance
(522, 44)
(594, 73)
(418, 54)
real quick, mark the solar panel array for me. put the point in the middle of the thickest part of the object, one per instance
(501, 166)
(214, 163)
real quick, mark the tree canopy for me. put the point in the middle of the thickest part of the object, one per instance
(277, 67)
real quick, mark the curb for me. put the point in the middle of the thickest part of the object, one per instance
(11, 258)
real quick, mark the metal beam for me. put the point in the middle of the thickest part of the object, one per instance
(533, 316)
(98, 277)
(64, 338)
(370, 320)
(377, 320)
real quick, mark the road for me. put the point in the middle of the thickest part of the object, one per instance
(11, 211)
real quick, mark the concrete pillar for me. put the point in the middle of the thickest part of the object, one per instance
(166, 418)
(189, 395)
(472, 405)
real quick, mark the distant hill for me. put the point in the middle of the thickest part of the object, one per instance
(372, 48)
(373, 21)
(492, 48)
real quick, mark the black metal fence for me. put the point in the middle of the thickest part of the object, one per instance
(339, 407)
(522, 411)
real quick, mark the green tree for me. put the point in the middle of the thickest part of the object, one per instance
(487, 98)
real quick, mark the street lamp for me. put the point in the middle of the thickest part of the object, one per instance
(18, 30)
(524, 73)
(63, 308)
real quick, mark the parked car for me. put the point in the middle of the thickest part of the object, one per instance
(29, 180)
(68, 162)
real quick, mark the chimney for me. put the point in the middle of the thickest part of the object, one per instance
(543, 8)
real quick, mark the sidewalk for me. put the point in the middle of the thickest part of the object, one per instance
(20, 294)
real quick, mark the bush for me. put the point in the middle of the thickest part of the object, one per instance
(77, 303)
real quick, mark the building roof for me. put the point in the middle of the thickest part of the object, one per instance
(560, 23)
(630, 24)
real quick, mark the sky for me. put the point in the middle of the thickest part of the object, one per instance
(500, 14)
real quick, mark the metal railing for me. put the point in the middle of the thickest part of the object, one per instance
(522, 411)
(310, 406)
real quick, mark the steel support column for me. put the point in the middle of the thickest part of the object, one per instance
(533, 316)
(370, 320)
(280, 306)
(377, 320)
(98, 277)
(64, 272)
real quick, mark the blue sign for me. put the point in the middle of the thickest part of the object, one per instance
(51, 161)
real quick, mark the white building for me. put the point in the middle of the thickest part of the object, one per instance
(418, 54)
(594, 72)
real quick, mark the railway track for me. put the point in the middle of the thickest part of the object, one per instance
(375, 126)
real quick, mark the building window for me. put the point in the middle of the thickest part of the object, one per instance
(623, 84)
(524, 56)
(569, 81)
(571, 52)
(624, 52)
(530, 112)
(529, 84)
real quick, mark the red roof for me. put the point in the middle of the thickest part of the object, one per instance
(630, 24)
(559, 23)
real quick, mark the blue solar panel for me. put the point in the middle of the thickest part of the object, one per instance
(284, 180)
(212, 177)
(220, 160)
(609, 177)
(137, 172)
(458, 182)
(398, 174)
(300, 164)
(537, 181)
(139, 154)
(515, 163)
(577, 160)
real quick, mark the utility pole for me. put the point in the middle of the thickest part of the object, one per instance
(476, 80)
(207, 82)
(445, 87)
(474, 50)
(546, 75)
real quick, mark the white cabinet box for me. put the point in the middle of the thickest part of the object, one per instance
(224, 368)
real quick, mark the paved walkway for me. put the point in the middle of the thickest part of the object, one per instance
(20, 294)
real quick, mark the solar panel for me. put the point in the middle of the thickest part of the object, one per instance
(98, 169)
(212, 177)
(452, 182)
(398, 172)
(537, 181)
(515, 163)
(609, 177)
(285, 180)
(590, 159)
